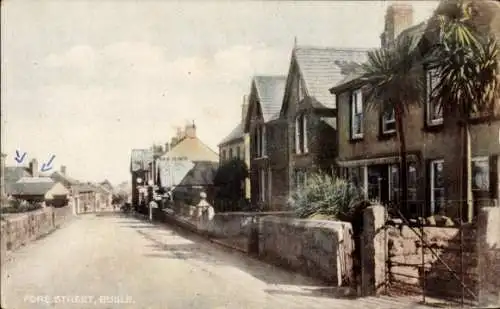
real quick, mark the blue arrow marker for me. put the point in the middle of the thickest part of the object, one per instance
(47, 166)
(20, 158)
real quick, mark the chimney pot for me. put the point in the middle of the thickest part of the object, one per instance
(190, 130)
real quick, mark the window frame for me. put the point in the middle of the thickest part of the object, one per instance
(488, 171)
(386, 120)
(429, 106)
(357, 98)
(433, 185)
(301, 140)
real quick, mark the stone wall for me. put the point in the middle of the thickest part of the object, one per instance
(396, 258)
(321, 249)
(439, 255)
(17, 230)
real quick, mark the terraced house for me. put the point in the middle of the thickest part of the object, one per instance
(369, 148)
(265, 131)
(309, 113)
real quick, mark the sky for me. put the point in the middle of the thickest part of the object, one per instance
(88, 81)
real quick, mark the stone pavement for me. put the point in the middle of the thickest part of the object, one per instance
(115, 261)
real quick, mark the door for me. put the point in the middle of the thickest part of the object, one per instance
(378, 183)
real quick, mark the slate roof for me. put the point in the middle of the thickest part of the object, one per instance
(192, 149)
(140, 159)
(32, 186)
(202, 174)
(270, 91)
(64, 179)
(237, 133)
(322, 67)
(86, 187)
(353, 78)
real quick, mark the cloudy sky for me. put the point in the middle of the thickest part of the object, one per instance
(87, 81)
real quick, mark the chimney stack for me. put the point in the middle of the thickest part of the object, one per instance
(2, 171)
(180, 134)
(34, 168)
(399, 17)
(63, 170)
(244, 109)
(167, 147)
(190, 130)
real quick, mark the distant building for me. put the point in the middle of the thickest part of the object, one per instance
(237, 144)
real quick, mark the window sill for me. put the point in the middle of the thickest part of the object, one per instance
(433, 127)
(358, 139)
(387, 135)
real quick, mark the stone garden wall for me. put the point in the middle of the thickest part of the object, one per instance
(322, 249)
(18, 229)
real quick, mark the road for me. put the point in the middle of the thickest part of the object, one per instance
(122, 262)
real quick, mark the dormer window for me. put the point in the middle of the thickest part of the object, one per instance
(388, 122)
(357, 114)
(433, 110)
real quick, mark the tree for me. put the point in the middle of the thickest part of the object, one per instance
(394, 83)
(466, 61)
(229, 180)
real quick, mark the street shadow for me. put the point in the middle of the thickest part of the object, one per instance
(328, 292)
(196, 247)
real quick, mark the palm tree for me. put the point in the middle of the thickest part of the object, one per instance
(466, 62)
(395, 83)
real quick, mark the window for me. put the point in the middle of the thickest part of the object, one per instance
(437, 186)
(389, 122)
(356, 176)
(434, 110)
(260, 141)
(269, 184)
(262, 185)
(238, 152)
(224, 155)
(300, 179)
(375, 182)
(300, 90)
(480, 168)
(301, 134)
(357, 114)
(230, 153)
(412, 181)
(394, 183)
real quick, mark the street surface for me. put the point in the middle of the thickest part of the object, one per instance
(113, 261)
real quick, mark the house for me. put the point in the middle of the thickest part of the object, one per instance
(40, 189)
(308, 114)
(87, 198)
(265, 99)
(189, 164)
(12, 174)
(237, 144)
(368, 148)
(106, 184)
(68, 182)
(141, 161)
(104, 198)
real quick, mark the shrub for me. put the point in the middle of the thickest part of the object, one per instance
(229, 181)
(326, 195)
(18, 206)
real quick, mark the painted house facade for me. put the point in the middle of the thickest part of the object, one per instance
(263, 127)
(369, 150)
(309, 111)
(237, 144)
